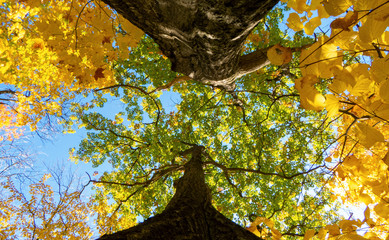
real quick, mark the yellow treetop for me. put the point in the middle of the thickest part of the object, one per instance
(50, 49)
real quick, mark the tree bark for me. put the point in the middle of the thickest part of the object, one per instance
(202, 38)
(189, 215)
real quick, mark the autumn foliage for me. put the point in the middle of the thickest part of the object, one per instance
(50, 51)
(358, 95)
(40, 214)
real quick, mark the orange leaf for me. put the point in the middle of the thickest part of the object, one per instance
(99, 73)
(309, 234)
(344, 23)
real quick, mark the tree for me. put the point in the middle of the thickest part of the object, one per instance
(271, 162)
(43, 213)
(131, 141)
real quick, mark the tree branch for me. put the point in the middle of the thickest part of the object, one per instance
(252, 62)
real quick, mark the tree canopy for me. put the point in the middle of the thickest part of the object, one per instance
(281, 108)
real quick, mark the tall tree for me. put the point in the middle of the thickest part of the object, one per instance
(237, 138)
(258, 157)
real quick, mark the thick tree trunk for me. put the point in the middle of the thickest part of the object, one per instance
(189, 215)
(202, 38)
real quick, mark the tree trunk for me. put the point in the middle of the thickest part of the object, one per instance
(189, 215)
(202, 38)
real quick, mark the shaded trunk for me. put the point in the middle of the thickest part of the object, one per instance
(189, 215)
(202, 38)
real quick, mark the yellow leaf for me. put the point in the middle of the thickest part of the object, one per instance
(316, 101)
(309, 234)
(360, 82)
(351, 161)
(378, 187)
(342, 79)
(328, 58)
(372, 29)
(295, 22)
(276, 235)
(253, 225)
(298, 5)
(305, 82)
(348, 225)
(381, 13)
(363, 5)
(315, 4)
(363, 87)
(384, 38)
(384, 91)
(279, 55)
(345, 39)
(336, 7)
(309, 59)
(365, 198)
(332, 105)
(333, 230)
(267, 221)
(118, 118)
(310, 98)
(257, 233)
(322, 233)
(135, 33)
(319, 58)
(368, 135)
(38, 43)
(382, 209)
(380, 109)
(380, 69)
(311, 25)
(322, 13)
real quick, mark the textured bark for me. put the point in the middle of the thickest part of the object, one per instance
(189, 215)
(202, 38)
